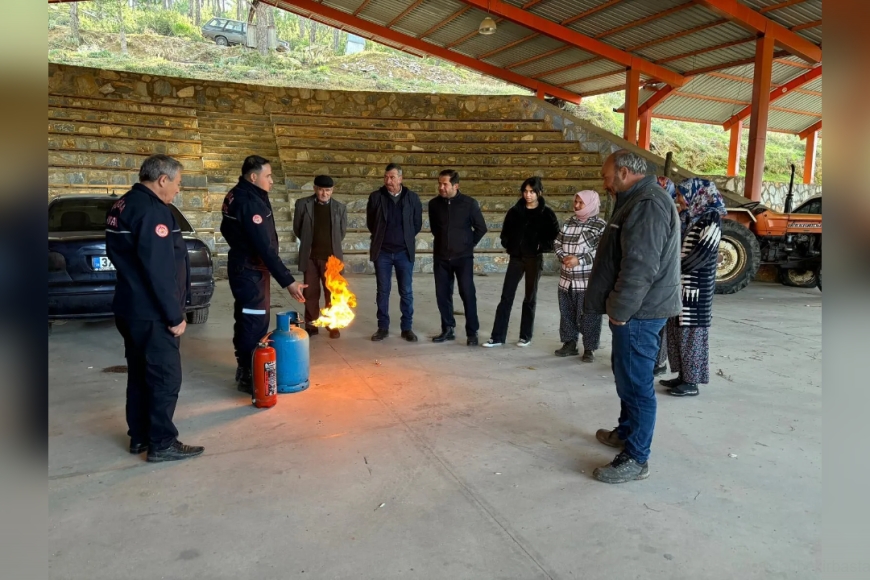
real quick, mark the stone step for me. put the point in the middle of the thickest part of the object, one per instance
(217, 148)
(120, 176)
(368, 123)
(120, 145)
(333, 156)
(488, 203)
(427, 188)
(414, 136)
(66, 101)
(299, 173)
(227, 126)
(238, 155)
(56, 190)
(123, 119)
(240, 117)
(141, 133)
(446, 147)
(100, 160)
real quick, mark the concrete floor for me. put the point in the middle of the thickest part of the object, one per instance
(442, 461)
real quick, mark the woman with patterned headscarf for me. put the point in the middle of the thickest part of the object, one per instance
(662, 358)
(701, 209)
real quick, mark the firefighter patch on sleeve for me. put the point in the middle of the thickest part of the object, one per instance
(161, 230)
(257, 219)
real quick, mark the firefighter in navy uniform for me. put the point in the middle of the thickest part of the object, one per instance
(145, 244)
(248, 226)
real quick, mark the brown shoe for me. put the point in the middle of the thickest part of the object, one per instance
(609, 438)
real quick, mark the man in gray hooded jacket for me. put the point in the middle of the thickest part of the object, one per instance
(635, 280)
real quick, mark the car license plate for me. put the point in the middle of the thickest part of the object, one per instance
(102, 263)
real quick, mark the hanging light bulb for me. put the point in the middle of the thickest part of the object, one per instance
(487, 26)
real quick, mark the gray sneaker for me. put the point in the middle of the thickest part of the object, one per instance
(609, 438)
(621, 470)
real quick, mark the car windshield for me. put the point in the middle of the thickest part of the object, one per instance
(89, 215)
(216, 23)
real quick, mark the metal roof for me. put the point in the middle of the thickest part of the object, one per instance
(704, 45)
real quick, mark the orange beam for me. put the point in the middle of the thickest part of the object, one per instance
(728, 44)
(776, 94)
(806, 25)
(725, 65)
(604, 91)
(814, 128)
(592, 78)
(810, 158)
(632, 94)
(734, 150)
(794, 64)
(570, 36)
(446, 21)
(785, 4)
(402, 14)
(660, 95)
(675, 35)
(577, 64)
(362, 7)
(539, 57)
(760, 24)
(759, 116)
(589, 12)
(310, 8)
(710, 98)
(645, 19)
(471, 34)
(645, 134)
(507, 46)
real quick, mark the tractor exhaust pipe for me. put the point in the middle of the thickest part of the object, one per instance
(789, 198)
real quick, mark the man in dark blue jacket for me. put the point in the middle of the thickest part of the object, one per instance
(248, 226)
(145, 245)
(457, 226)
(635, 280)
(394, 216)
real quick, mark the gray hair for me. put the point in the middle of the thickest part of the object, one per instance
(631, 161)
(157, 165)
(392, 166)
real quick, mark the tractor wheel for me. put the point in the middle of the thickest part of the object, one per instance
(797, 278)
(739, 258)
(198, 316)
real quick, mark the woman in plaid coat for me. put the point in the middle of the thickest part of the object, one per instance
(575, 247)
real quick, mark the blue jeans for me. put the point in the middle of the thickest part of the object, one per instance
(384, 265)
(635, 348)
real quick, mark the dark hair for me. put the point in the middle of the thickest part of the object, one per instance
(535, 184)
(452, 174)
(253, 164)
(157, 165)
(392, 166)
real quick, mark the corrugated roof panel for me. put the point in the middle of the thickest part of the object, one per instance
(814, 35)
(815, 85)
(382, 11)
(781, 121)
(714, 58)
(527, 49)
(782, 73)
(715, 36)
(697, 109)
(800, 102)
(797, 14)
(561, 10)
(587, 70)
(718, 87)
(659, 28)
(620, 14)
(426, 15)
(347, 6)
(556, 61)
(617, 80)
(507, 32)
(456, 28)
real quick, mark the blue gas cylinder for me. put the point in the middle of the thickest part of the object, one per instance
(292, 358)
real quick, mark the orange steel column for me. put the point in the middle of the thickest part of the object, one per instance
(645, 130)
(758, 120)
(541, 94)
(734, 150)
(810, 158)
(632, 95)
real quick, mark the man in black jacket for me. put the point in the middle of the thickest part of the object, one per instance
(635, 280)
(457, 225)
(145, 245)
(394, 216)
(248, 226)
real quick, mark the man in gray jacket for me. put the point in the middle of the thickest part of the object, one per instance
(320, 224)
(635, 280)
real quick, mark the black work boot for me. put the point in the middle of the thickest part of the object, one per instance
(622, 469)
(409, 335)
(671, 383)
(312, 330)
(381, 334)
(684, 390)
(246, 381)
(568, 349)
(660, 370)
(472, 340)
(175, 452)
(137, 447)
(588, 356)
(446, 334)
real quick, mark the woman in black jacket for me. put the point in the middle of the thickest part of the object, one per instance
(529, 229)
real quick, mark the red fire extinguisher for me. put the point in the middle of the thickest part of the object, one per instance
(265, 392)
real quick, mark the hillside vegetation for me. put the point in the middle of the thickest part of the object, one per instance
(167, 42)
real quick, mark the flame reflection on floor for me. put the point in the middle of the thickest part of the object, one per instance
(339, 314)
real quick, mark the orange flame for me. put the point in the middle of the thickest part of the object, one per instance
(339, 313)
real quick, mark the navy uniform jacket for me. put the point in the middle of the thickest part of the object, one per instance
(248, 226)
(145, 244)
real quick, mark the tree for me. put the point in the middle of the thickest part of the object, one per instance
(74, 23)
(122, 5)
(262, 12)
(336, 40)
(301, 27)
(312, 33)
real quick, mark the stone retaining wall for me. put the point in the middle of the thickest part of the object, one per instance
(773, 193)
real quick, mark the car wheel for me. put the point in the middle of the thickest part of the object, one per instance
(738, 260)
(198, 316)
(797, 278)
(221, 40)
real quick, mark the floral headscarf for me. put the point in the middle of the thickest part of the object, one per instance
(667, 185)
(701, 195)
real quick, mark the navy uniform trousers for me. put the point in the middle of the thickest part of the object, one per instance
(250, 288)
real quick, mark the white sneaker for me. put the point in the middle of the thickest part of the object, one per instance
(524, 342)
(491, 343)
